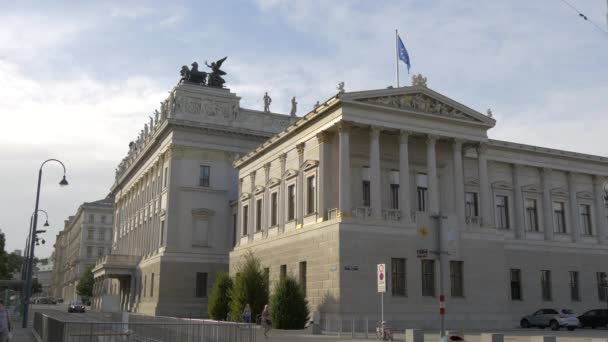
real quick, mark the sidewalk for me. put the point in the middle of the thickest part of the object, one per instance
(23, 335)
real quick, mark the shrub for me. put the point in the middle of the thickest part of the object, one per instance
(250, 287)
(219, 300)
(288, 307)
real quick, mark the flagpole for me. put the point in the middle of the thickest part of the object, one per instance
(397, 55)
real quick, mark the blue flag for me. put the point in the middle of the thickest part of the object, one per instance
(403, 55)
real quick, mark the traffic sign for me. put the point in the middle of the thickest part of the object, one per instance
(381, 278)
(422, 253)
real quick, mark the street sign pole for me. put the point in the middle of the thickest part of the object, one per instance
(381, 277)
(439, 252)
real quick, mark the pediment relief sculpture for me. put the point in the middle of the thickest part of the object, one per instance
(258, 189)
(274, 182)
(584, 194)
(418, 102)
(244, 196)
(309, 164)
(291, 173)
(502, 185)
(531, 188)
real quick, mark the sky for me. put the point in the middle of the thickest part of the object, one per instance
(79, 79)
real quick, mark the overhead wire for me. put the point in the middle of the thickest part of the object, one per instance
(584, 17)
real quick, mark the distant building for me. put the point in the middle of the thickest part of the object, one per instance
(44, 272)
(18, 252)
(86, 236)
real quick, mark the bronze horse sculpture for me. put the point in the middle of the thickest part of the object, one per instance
(193, 75)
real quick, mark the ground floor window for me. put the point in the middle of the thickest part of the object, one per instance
(545, 284)
(574, 288)
(456, 279)
(516, 284)
(398, 280)
(302, 275)
(283, 272)
(201, 285)
(428, 278)
(601, 286)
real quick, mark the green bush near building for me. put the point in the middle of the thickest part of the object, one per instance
(288, 306)
(219, 300)
(250, 287)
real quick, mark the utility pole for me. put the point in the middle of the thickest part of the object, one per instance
(439, 252)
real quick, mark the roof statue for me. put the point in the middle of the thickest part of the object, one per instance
(419, 80)
(195, 76)
(267, 101)
(489, 112)
(215, 77)
(317, 104)
(294, 106)
(340, 88)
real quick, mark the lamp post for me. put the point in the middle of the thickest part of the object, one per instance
(25, 264)
(32, 240)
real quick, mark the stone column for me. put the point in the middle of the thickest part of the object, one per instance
(266, 201)
(458, 181)
(344, 206)
(300, 187)
(239, 214)
(518, 203)
(324, 151)
(404, 178)
(547, 204)
(600, 209)
(282, 195)
(575, 227)
(251, 223)
(374, 173)
(431, 165)
(485, 199)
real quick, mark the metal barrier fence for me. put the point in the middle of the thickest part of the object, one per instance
(53, 330)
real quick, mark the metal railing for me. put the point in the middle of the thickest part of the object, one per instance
(50, 329)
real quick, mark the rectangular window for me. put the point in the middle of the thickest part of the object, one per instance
(559, 217)
(103, 218)
(601, 286)
(152, 285)
(90, 234)
(516, 284)
(101, 234)
(531, 215)
(89, 251)
(234, 233)
(165, 175)
(428, 278)
(283, 272)
(258, 215)
(422, 185)
(366, 193)
(162, 232)
(203, 177)
(274, 212)
(201, 285)
(456, 279)
(302, 275)
(545, 284)
(585, 210)
(310, 195)
(395, 196)
(471, 207)
(91, 218)
(502, 212)
(100, 251)
(398, 283)
(245, 219)
(291, 202)
(145, 284)
(574, 288)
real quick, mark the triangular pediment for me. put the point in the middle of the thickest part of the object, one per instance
(418, 99)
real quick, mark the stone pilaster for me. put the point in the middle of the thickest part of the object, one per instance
(282, 195)
(374, 171)
(600, 209)
(344, 204)
(458, 181)
(324, 151)
(518, 203)
(547, 204)
(300, 187)
(575, 227)
(404, 177)
(485, 199)
(251, 223)
(431, 165)
(266, 200)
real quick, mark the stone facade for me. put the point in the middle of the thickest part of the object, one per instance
(173, 225)
(371, 177)
(86, 236)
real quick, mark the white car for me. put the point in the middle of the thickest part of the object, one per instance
(553, 318)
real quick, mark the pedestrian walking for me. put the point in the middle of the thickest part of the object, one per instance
(5, 323)
(246, 314)
(266, 321)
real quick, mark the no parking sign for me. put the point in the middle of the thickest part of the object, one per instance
(381, 278)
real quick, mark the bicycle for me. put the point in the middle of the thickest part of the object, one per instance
(383, 333)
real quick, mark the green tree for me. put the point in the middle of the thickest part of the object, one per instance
(250, 287)
(288, 306)
(85, 285)
(36, 286)
(13, 262)
(219, 300)
(4, 271)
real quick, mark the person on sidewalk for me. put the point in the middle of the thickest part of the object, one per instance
(5, 323)
(266, 321)
(246, 314)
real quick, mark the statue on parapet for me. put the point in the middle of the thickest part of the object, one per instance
(340, 88)
(419, 80)
(294, 106)
(215, 77)
(193, 75)
(267, 101)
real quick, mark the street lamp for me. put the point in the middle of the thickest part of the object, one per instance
(26, 254)
(33, 240)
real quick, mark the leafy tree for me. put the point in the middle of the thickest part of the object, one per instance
(85, 285)
(13, 262)
(288, 306)
(250, 287)
(36, 286)
(219, 300)
(4, 271)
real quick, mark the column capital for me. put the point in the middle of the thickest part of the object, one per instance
(517, 167)
(599, 180)
(545, 170)
(374, 132)
(458, 142)
(323, 137)
(266, 167)
(404, 136)
(431, 138)
(252, 174)
(300, 148)
(282, 157)
(343, 127)
(481, 148)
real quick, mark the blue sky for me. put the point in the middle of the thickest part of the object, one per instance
(79, 79)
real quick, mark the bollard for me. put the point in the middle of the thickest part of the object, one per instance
(491, 337)
(543, 339)
(366, 328)
(414, 335)
(352, 326)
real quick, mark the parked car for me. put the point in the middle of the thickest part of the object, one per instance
(553, 318)
(76, 307)
(594, 318)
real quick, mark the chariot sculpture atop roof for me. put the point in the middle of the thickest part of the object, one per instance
(212, 79)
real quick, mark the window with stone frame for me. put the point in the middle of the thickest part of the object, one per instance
(365, 191)
(89, 251)
(201, 223)
(311, 194)
(274, 209)
(152, 285)
(245, 219)
(101, 234)
(545, 285)
(471, 206)
(91, 234)
(531, 215)
(201, 285)
(395, 196)
(204, 175)
(456, 278)
(422, 191)
(282, 272)
(398, 277)
(165, 176)
(601, 285)
(100, 251)
(234, 232)
(575, 294)
(91, 218)
(585, 213)
(103, 218)
(428, 277)
(291, 202)
(559, 217)
(302, 275)
(516, 293)
(502, 212)
(258, 215)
